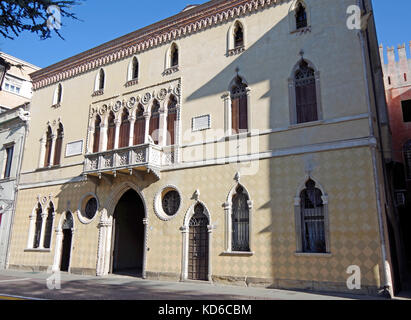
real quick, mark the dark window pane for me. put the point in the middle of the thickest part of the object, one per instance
(406, 110)
(9, 160)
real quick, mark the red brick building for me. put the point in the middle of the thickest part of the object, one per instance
(397, 81)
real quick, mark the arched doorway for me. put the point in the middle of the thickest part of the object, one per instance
(128, 235)
(67, 229)
(198, 246)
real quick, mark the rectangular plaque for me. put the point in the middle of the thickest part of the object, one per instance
(202, 123)
(74, 148)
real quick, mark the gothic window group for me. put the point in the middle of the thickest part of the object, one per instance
(42, 227)
(57, 144)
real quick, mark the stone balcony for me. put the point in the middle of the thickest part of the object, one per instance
(143, 158)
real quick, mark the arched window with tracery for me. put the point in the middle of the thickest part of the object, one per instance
(239, 107)
(171, 120)
(111, 131)
(59, 145)
(238, 35)
(96, 139)
(49, 142)
(134, 69)
(407, 158)
(312, 219)
(49, 226)
(305, 93)
(240, 221)
(155, 121)
(174, 55)
(38, 226)
(301, 16)
(139, 126)
(124, 129)
(101, 79)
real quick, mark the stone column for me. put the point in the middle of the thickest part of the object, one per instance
(57, 252)
(32, 226)
(103, 137)
(89, 146)
(53, 147)
(184, 257)
(147, 128)
(43, 228)
(227, 210)
(162, 139)
(117, 134)
(43, 142)
(227, 114)
(132, 120)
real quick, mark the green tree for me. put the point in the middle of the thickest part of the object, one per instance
(37, 16)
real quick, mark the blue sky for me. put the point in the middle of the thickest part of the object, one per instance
(103, 22)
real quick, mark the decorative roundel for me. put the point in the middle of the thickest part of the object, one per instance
(88, 208)
(162, 94)
(147, 98)
(132, 102)
(177, 89)
(103, 109)
(117, 106)
(167, 203)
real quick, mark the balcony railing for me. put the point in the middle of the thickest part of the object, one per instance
(147, 155)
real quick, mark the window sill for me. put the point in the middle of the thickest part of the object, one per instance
(306, 124)
(317, 255)
(235, 51)
(98, 93)
(37, 250)
(131, 82)
(238, 253)
(301, 30)
(56, 106)
(241, 135)
(9, 179)
(171, 70)
(48, 168)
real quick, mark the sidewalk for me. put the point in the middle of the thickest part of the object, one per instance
(114, 287)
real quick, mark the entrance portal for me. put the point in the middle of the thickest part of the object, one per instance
(67, 239)
(128, 235)
(198, 245)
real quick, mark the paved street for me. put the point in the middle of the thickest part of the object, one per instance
(16, 285)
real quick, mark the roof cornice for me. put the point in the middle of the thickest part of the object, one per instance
(185, 23)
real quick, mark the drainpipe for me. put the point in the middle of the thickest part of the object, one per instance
(16, 187)
(364, 39)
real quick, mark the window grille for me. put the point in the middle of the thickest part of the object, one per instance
(301, 16)
(313, 220)
(171, 202)
(306, 94)
(91, 208)
(240, 221)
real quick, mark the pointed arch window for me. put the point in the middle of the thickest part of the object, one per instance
(240, 221)
(407, 158)
(124, 129)
(238, 35)
(38, 226)
(111, 131)
(134, 69)
(58, 95)
(96, 139)
(49, 142)
(313, 227)
(239, 106)
(301, 16)
(139, 126)
(171, 120)
(305, 83)
(101, 79)
(49, 226)
(59, 145)
(155, 122)
(174, 56)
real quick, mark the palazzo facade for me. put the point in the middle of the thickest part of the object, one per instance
(239, 141)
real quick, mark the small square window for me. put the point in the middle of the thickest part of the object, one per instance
(7, 86)
(406, 110)
(17, 90)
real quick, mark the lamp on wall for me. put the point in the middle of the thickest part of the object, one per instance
(4, 67)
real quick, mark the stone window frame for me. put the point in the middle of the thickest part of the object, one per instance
(228, 126)
(97, 90)
(57, 96)
(292, 93)
(292, 17)
(297, 218)
(168, 67)
(231, 49)
(158, 204)
(44, 204)
(130, 71)
(228, 212)
(81, 207)
(185, 230)
(4, 161)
